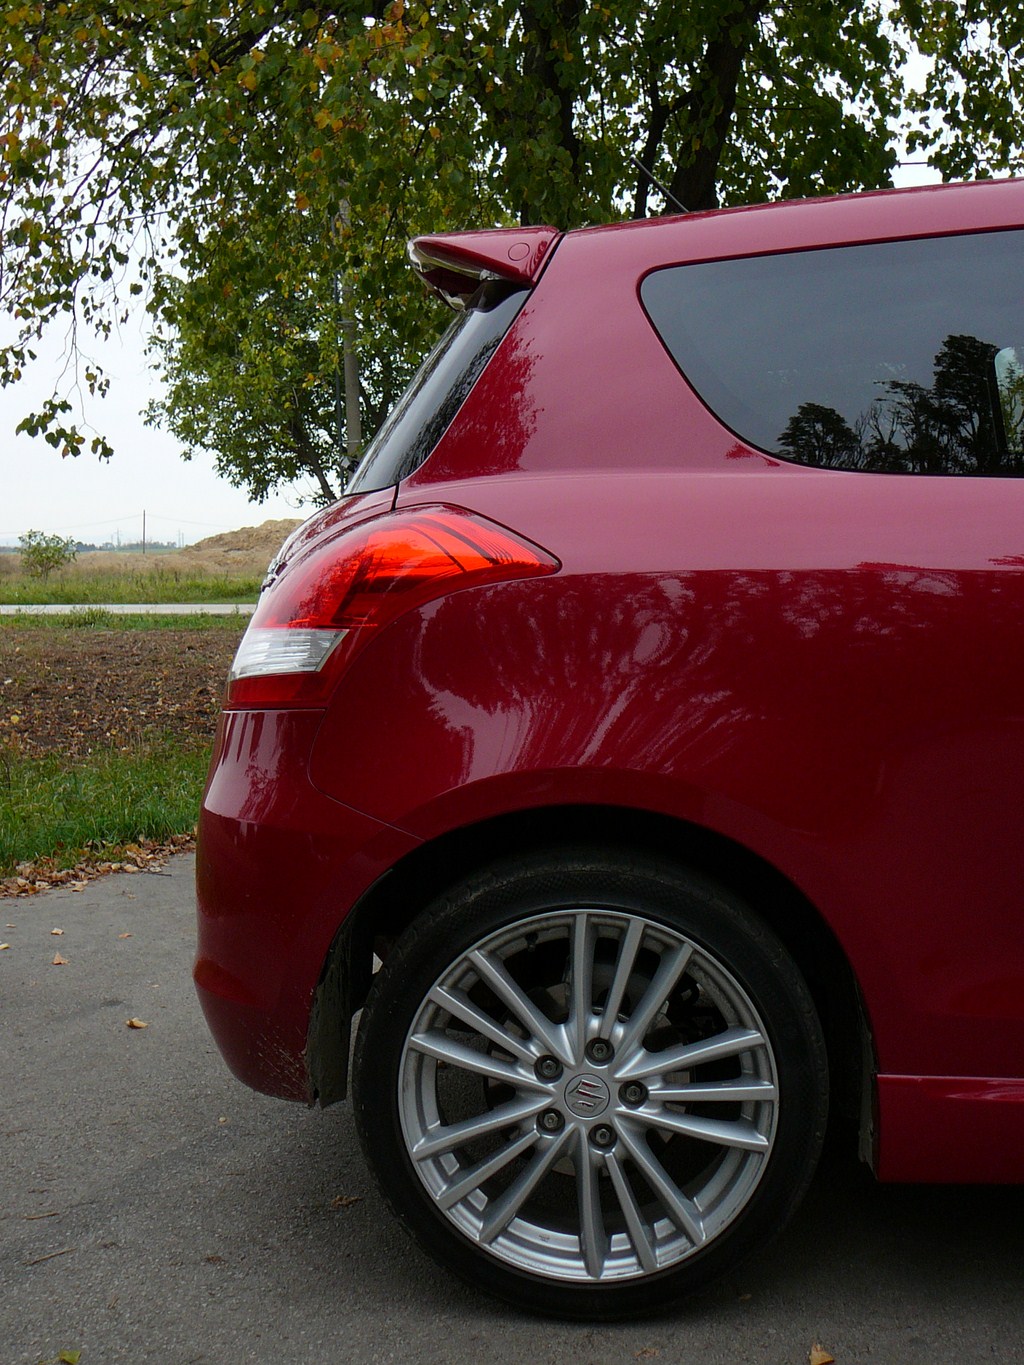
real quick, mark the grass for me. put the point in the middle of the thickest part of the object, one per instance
(95, 618)
(69, 587)
(95, 807)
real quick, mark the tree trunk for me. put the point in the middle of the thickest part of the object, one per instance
(695, 181)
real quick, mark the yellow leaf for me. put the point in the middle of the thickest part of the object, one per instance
(56, 931)
(819, 1356)
(59, 961)
(3, 946)
(136, 1023)
(124, 935)
(248, 80)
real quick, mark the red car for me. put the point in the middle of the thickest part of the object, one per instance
(652, 707)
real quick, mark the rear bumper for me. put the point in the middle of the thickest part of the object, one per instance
(279, 867)
(951, 1129)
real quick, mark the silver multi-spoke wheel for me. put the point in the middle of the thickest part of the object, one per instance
(588, 1095)
(590, 1081)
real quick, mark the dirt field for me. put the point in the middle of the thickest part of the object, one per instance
(75, 691)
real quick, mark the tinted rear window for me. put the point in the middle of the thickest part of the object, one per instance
(439, 388)
(900, 357)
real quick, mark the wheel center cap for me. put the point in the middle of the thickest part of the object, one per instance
(587, 1096)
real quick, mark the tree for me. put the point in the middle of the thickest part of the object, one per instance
(254, 367)
(42, 553)
(199, 152)
(819, 435)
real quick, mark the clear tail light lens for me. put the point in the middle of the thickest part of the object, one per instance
(312, 620)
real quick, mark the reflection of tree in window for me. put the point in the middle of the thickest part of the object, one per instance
(970, 421)
(821, 436)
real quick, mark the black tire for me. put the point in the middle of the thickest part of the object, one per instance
(587, 1193)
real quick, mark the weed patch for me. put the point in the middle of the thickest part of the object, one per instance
(105, 735)
(157, 585)
(95, 807)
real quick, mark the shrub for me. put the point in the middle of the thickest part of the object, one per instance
(42, 553)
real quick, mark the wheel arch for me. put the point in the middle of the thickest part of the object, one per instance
(391, 904)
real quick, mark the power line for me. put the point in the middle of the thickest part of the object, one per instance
(129, 517)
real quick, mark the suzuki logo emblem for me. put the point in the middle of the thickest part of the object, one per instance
(587, 1096)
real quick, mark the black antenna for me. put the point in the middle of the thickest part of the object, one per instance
(658, 185)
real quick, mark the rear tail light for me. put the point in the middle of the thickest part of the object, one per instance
(313, 619)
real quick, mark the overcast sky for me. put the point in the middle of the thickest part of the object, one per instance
(97, 501)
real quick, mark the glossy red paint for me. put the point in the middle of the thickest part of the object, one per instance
(516, 254)
(982, 1125)
(279, 863)
(832, 684)
(630, 407)
(346, 513)
(822, 668)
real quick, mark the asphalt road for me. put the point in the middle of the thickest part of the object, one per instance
(152, 1209)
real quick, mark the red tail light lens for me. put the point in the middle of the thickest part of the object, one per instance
(312, 620)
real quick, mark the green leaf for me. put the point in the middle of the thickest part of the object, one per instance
(190, 141)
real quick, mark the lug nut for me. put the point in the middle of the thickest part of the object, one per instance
(599, 1050)
(548, 1068)
(633, 1093)
(551, 1121)
(602, 1136)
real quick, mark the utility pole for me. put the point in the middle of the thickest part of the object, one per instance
(143, 530)
(350, 361)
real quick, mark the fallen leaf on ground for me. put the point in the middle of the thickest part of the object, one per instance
(214, 1260)
(124, 935)
(33, 877)
(59, 961)
(136, 1023)
(3, 946)
(69, 1357)
(345, 1201)
(819, 1356)
(647, 1353)
(56, 931)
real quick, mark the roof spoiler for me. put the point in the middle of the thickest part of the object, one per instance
(455, 264)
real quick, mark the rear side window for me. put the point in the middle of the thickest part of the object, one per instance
(902, 357)
(439, 388)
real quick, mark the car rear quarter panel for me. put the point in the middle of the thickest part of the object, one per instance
(825, 668)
